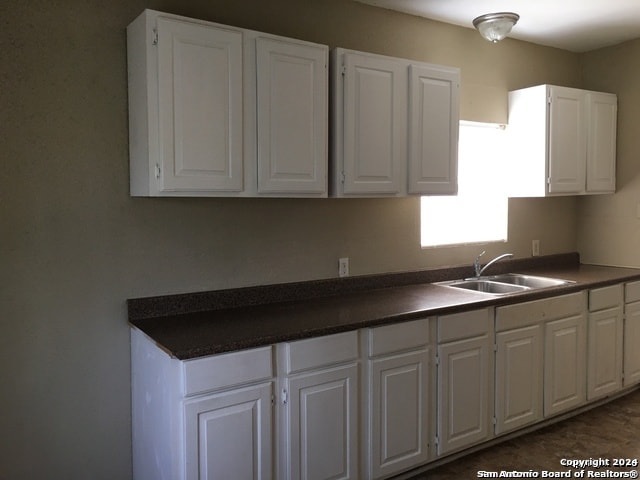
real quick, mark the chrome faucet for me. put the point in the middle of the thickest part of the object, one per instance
(476, 262)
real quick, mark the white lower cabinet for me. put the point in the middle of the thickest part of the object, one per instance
(465, 379)
(202, 419)
(631, 362)
(378, 402)
(605, 342)
(564, 364)
(519, 380)
(319, 408)
(540, 359)
(228, 435)
(397, 398)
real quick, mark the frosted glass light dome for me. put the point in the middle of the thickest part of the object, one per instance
(495, 26)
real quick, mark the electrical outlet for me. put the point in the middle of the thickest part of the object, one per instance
(343, 267)
(535, 248)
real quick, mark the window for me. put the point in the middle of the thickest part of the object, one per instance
(479, 213)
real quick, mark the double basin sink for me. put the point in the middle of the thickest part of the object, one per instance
(506, 283)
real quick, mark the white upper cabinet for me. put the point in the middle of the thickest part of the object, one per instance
(563, 141)
(222, 111)
(433, 133)
(567, 140)
(292, 117)
(372, 124)
(185, 106)
(395, 126)
(601, 152)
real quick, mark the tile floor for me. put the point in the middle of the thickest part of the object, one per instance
(611, 431)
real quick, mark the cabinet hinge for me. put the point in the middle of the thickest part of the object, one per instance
(284, 396)
(158, 171)
(154, 36)
(343, 70)
(437, 360)
(549, 99)
(436, 441)
(548, 180)
(495, 421)
(343, 177)
(495, 347)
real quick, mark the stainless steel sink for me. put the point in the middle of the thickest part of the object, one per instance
(506, 283)
(529, 280)
(487, 286)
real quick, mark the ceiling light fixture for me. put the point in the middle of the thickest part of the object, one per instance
(495, 26)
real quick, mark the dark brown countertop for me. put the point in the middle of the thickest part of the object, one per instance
(194, 325)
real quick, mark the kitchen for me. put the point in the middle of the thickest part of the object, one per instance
(75, 245)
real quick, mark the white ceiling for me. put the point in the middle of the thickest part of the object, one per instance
(575, 25)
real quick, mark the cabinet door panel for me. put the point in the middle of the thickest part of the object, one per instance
(463, 393)
(564, 366)
(632, 344)
(601, 154)
(518, 378)
(399, 413)
(604, 364)
(433, 140)
(228, 435)
(375, 124)
(567, 141)
(292, 117)
(200, 109)
(322, 414)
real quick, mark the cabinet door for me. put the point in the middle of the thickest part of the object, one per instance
(322, 424)
(200, 107)
(433, 130)
(375, 111)
(292, 117)
(604, 354)
(464, 379)
(601, 153)
(518, 378)
(228, 435)
(400, 406)
(632, 344)
(567, 140)
(564, 365)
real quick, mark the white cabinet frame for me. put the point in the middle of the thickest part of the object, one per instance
(564, 141)
(216, 110)
(395, 126)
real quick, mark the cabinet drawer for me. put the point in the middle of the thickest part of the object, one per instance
(464, 325)
(321, 351)
(398, 337)
(606, 297)
(227, 370)
(632, 292)
(528, 313)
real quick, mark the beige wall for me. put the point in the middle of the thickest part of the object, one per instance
(609, 225)
(74, 246)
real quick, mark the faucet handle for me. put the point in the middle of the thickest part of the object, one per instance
(476, 263)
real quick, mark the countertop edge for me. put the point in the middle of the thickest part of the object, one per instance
(193, 334)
